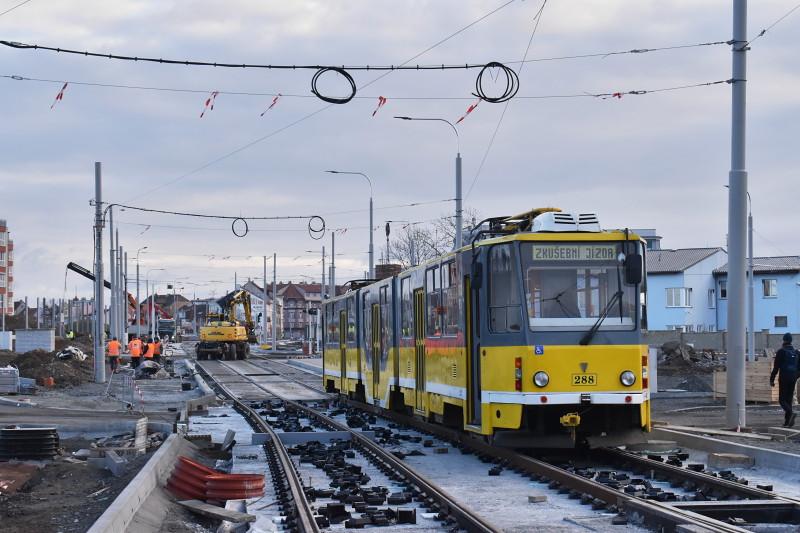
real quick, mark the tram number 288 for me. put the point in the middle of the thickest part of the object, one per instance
(584, 379)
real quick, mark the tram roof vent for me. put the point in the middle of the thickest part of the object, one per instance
(566, 222)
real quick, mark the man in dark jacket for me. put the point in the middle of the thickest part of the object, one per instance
(786, 363)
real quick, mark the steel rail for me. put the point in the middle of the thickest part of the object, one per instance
(306, 523)
(466, 518)
(651, 513)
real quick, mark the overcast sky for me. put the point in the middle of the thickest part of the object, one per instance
(654, 161)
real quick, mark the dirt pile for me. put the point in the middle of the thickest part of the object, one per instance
(40, 364)
(673, 355)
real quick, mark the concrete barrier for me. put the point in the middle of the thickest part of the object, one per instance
(120, 513)
(28, 340)
(763, 457)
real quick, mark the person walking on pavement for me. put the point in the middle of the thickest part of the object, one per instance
(786, 364)
(113, 350)
(135, 349)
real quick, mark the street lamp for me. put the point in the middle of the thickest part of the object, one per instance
(138, 297)
(459, 212)
(371, 253)
(751, 317)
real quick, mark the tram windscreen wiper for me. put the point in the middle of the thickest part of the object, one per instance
(589, 335)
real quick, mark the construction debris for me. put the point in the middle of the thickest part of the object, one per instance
(71, 352)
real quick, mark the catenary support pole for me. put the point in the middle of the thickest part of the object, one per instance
(120, 284)
(323, 289)
(126, 321)
(138, 300)
(459, 210)
(264, 308)
(751, 314)
(737, 225)
(274, 347)
(333, 265)
(99, 311)
(112, 275)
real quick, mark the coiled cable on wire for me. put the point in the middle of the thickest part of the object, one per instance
(512, 83)
(316, 227)
(330, 99)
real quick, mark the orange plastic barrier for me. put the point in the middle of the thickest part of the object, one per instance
(193, 480)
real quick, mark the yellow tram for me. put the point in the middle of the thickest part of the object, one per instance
(529, 335)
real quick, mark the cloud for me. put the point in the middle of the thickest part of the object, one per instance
(654, 160)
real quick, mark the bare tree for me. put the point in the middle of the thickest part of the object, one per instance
(418, 242)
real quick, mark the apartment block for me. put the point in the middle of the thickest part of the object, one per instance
(6, 270)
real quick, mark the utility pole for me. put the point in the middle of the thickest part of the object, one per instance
(99, 316)
(459, 211)
(735, 410)
(112, 273)
(138, 300)
(126, 322)
(274, 347)
(751, 316)
(322, 290)
(264, 310)
(332, 293)
(120, 283)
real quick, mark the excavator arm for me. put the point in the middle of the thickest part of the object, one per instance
(228, 304)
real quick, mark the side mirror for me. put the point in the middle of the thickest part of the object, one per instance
(633, 269)
(476, 276)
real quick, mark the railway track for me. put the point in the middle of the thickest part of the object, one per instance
(720, 505)
(450, 511)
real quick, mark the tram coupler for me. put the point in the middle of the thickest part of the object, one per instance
(570, 420)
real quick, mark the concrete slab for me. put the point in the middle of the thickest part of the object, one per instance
(219, 513)
(115, 463)
(763, 457)
(729, 460)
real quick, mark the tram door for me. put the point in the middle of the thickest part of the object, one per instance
(471, 318)
(419, 345)
(343, 349)
(376, 352)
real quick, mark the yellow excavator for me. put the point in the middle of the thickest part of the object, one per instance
(225, 337)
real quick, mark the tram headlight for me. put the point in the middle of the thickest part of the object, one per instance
(627, 378)
(541, 379)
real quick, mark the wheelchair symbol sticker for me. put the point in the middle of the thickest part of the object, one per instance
(539, 349)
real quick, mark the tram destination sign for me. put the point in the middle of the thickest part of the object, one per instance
(574, 252)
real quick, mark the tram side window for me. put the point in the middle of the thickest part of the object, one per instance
(366, 323)
(505, 311)
(433, 307)
(406, 310)
(351, 319)
(385, 318)
(450, 301)
(333, 325)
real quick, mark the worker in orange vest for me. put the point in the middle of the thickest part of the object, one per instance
(157, 353)
(113, 350)
(150, 349)
(135, 349)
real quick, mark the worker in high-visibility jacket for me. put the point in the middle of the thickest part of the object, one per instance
(157, 353)
(135, 349)
(149, 349)
(112, 351)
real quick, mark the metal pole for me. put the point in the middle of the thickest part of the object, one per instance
(153, 312)
(120, 283)
(751, 318)
(112, 275)
(274, 347)
(264, 310)
(371, 250)
(3, 311)
(323, 291)
(138, 299)
(27, 312)
(323, 288)
(459, 211)
(737, 225)
(127, 322)
(99, 317)
(333, 265)
(147, 299)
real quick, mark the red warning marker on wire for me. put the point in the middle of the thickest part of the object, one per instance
(209, 103)
(60, 95)
(470, 109)
(381, 102)
(274, 101)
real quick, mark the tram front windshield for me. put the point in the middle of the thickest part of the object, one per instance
(568, 286)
